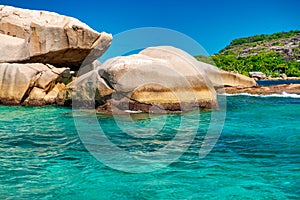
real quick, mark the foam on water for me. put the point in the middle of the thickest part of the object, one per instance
(133, 111)
(283, 94)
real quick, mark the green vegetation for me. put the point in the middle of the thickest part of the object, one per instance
(269, 63)
(263, 37)
(255, 54)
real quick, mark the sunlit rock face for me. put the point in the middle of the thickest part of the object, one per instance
(46, 37)
(158, 79)
(30, 83)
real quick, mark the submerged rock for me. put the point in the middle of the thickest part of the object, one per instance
(46, 37)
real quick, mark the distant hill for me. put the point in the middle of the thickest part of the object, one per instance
(271, 54)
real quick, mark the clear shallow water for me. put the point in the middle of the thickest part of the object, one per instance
(256, 157)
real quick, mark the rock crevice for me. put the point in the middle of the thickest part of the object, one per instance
(18, 81)
(38, 50)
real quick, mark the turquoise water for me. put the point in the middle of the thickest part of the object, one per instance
(256, 157)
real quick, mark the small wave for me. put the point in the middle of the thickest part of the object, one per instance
(283, 94)
(132, 111)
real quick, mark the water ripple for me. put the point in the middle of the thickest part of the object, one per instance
(256, 157)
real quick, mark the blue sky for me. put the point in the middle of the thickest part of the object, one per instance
(213, 23)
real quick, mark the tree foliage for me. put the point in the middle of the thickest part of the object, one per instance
(271, 54)
(269, 63)
(263, 37)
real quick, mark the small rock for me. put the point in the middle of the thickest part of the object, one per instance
(257, 75)
(283, 76)
(36, 97)
(51, 97)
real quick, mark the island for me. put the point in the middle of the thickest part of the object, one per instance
(52, 59)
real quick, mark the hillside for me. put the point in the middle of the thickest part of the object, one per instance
(271, 54)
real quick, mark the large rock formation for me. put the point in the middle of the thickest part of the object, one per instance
(29, 83)
(33, 44)
(218, 77)
(46, 37)
(157, 79)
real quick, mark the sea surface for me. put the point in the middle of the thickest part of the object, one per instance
(276, 82)
(257, 155)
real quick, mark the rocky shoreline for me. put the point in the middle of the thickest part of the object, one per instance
(47, 58)
(265, 90)
(279, 79)
(40, 51)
